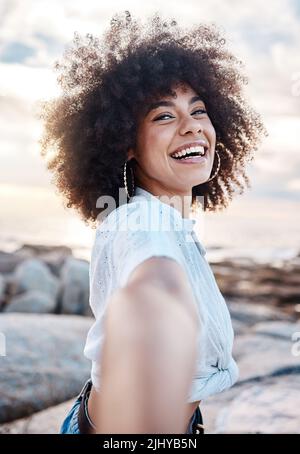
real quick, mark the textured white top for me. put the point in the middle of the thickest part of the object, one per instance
(125, 239)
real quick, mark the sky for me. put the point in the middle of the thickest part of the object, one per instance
(264, 35)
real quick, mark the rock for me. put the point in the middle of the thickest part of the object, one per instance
(239, 327)
(258, 355)
(33, 301)
(32, 274)
(75, 287)
(252, 313)
(43, 422)
(9, 284)
(9, 261)
(263, 404)
(40, 249)
(270, 407)
(2, 288)
(53, 256)
(284, 293)
(44, 363)
(278, 329)
(276, 282)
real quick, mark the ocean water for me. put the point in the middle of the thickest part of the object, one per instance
(265, 229)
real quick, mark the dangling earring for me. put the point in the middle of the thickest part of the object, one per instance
(125, 180)
(218, 168)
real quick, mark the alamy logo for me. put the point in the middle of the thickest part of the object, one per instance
(159, 214)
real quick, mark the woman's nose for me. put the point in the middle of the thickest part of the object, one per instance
(190, 124)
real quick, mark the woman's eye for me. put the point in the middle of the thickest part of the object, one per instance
(162, 116)
(200, 110)
(167, 115)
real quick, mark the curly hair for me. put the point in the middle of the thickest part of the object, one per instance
(107, 85)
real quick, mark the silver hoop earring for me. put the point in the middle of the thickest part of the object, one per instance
(125, 180)
(217, 170)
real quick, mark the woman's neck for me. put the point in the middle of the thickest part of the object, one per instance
(181, 202)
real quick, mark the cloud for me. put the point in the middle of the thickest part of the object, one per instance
(294, 185)
(33, 34)
(26, 83)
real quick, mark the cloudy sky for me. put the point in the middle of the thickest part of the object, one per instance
(264, 35)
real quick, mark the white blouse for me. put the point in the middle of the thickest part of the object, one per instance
(148, 227)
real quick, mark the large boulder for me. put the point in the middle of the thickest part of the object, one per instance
(75, 287)
(259, 355)
(252, 313)
(32, 274)
(33, 301)
(44, 363)
(269, 407)
(53, 256)
(46, 421)
(9, 261)
(274, 283)
(278, 329)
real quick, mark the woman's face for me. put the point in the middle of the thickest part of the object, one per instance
(170, 124)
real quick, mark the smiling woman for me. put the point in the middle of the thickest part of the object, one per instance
(110, 85)
(166, 103)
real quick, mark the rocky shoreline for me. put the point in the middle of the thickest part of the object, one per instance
(45, 315)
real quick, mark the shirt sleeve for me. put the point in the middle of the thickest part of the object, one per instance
(131, 248)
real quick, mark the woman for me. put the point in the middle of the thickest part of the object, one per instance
(158, 110)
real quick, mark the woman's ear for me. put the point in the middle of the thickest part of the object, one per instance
(130, 154)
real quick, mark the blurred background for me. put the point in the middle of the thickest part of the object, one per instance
(253, 246)
(33, 33)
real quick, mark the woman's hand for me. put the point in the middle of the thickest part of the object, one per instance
(149, 352)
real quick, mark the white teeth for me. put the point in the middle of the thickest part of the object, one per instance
(188, 151)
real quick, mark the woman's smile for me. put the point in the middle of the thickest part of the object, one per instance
(192, 156)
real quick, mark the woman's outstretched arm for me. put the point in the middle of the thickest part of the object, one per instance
(149, 353)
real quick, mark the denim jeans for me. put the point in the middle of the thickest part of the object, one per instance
(70, 423)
